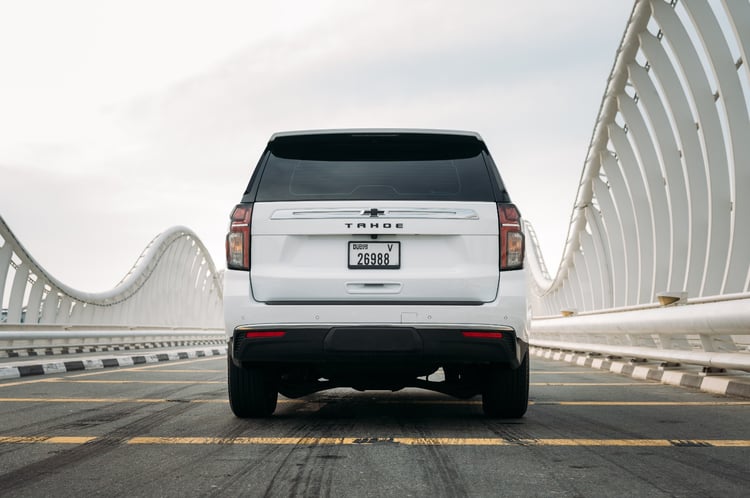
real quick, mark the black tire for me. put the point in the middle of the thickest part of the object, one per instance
(252, 391)
(506, 391)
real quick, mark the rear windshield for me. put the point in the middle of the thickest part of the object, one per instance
(370, 167)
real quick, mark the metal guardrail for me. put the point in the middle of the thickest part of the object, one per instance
(174, 283)
(172, 295)
(709, 332)
(662, 210)
(43, 337)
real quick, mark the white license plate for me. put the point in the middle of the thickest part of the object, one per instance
(374, 255)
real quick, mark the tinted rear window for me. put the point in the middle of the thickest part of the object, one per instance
(369, 167)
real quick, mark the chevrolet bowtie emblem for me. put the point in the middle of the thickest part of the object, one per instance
(374, 212)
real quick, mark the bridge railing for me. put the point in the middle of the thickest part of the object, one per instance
(712, 332)
(657, 259)
(172, 294)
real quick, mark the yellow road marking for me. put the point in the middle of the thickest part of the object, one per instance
(185, 371)
(33, 381)
(125, 400)
(74, 380)
(67, 381)
(571, 372)
(380, 402)
(439, 441)
(643, 403)
(47, 439)
(596, 384)
(71, 379)
(81, 400)
(407, 441)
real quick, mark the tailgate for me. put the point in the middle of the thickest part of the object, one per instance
(403, 251)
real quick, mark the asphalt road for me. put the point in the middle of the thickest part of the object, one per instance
(166, 430)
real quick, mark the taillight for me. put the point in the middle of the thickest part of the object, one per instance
(511, 237)
(238, 238)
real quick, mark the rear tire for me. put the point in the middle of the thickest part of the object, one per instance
(252, 391)
(506, 391)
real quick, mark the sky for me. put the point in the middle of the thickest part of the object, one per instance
(119, 120)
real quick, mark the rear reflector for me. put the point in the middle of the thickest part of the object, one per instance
(483, 335)
(264, 334)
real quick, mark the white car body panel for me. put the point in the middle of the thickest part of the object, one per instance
(449, 254)
(509, 309)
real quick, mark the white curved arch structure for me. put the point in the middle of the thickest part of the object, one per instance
(663, 206)
(173, 285)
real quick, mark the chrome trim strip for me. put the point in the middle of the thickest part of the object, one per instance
(359, 213)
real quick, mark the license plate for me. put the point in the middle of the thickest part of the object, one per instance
(374, 255)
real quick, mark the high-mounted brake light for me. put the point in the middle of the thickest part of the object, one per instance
(511, 237)
(238, 238)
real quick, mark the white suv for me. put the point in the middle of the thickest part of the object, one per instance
(371, 259)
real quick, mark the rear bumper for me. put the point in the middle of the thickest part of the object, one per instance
(374, 345)
(387, 332)
(508, 310)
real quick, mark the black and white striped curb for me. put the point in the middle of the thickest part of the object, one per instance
(716, 384)
(28, 368)
(60, 350)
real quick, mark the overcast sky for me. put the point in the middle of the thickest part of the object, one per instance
(121, 119)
